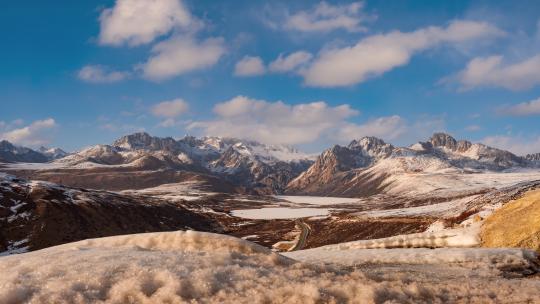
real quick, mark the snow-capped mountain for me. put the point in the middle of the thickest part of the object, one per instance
(245, 163)
(360, 168)
(262, 166)
(369, 165)
(10, 153)
(464, 154)
(535, 157)
(52, 153)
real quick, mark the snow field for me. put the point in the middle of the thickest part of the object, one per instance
(179, 267)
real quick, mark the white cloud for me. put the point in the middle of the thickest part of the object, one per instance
(37, 133)
(170, 109)
(168, 123)
(182, 54)
(473, 128)
(522, 109)
(325, 17)
(274, 122)
(388, 128)
(377, 54)
(137, 22)
(307, 123)
(491, 71)
(393, 128)
(289, 63)
(100, 74)
(249, 66)
(518, 145)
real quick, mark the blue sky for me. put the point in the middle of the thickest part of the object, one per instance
(304, 73)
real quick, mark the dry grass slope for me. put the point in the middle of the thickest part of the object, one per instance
(516, 224)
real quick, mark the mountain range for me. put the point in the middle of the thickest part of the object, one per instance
(10, 153)
(358, 169)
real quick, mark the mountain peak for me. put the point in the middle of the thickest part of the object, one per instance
(12, 153)
(443, 140)
(6, 145)
(367, 140)
(144, 141)
(52, 153)
(372, 146)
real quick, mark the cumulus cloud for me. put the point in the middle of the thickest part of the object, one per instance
(492, 71)
(274, 122)
(100, 74)
(377, 54)
(136, 22)
(182, 54)
(389, 128)
(290, 62)
(249, 66)
(518, 145)
(393, 128)
(522, 109)
(326, 17)
(37, 133)
(170, 109)
(307, 123)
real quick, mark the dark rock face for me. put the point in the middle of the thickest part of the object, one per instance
(247, 170)
(533, 157)
(143, 141)
(443, 140)
(333, 173)
(38, 215)
(10, 153)
(463, 145)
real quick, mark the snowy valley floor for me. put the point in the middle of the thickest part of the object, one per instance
(180, 267)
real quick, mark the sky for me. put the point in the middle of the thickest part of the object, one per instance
(302, 73)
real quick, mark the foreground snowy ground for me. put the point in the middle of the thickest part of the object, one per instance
(177, 267)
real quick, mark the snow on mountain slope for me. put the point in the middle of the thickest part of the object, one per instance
(247, 164)
(10, 153)
(192, 266)
(52, 153)
(369, 166)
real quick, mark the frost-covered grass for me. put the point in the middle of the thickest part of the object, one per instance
(449, 208)
(179, 267)
(279, 213)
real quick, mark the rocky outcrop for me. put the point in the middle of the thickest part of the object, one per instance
(535, 157)
(335, 171)
(443, 140)
(143, 141)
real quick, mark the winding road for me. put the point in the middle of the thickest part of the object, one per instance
(302, 238)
